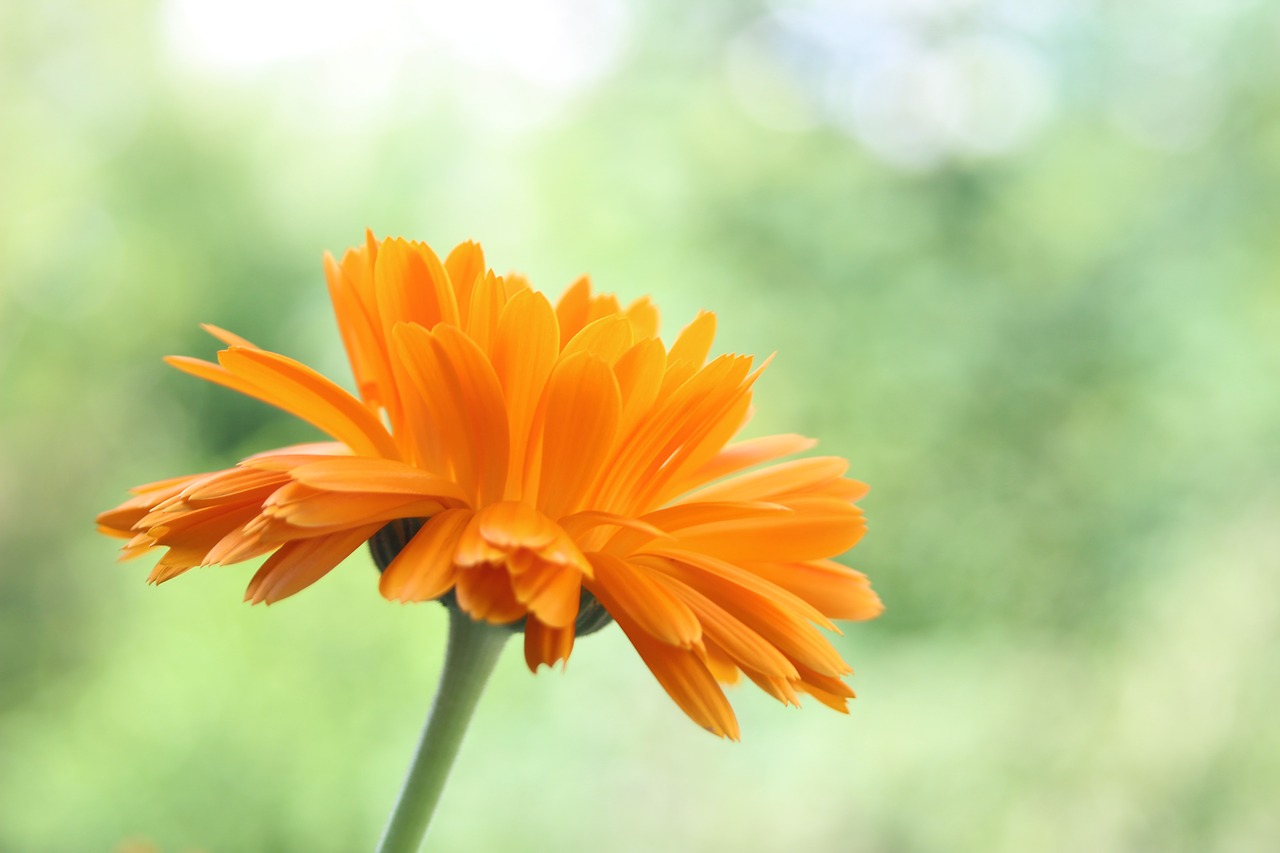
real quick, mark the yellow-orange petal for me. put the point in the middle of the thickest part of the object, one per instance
(643, 315)
(639, 372)
(606, 338)
(464, 264)
(694, 341)
(689, 352)
(572, 309)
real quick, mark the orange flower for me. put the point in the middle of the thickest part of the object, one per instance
(508, 455)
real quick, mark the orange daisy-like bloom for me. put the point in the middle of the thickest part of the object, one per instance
(544, 467)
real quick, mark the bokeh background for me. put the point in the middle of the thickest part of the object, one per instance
(1019, 260)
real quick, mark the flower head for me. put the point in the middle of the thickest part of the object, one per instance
(529, 459)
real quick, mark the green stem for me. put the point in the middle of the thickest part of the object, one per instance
(471, 654)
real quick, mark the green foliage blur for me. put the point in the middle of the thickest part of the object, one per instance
(1018, 261)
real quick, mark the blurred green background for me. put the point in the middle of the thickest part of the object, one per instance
(1019, 262)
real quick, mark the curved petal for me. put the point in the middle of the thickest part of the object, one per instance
(580, 412)
(300, 563)
(685, 678)
(464, 264)
(546, 645)
(424, 568)
(645, 598)
(524, 353)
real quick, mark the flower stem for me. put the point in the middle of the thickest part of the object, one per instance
(469, 658)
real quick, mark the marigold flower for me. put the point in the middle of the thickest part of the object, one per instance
(526, 461)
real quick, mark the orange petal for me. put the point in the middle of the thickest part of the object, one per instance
(546, 645)
(376, 476)
(313, 508)
(744, 646)
(603, 305)
(643, 315)
(228, 338)
(776, 481)
(301, 563)
(360, 333)
(524, 352)
(573, 307)
(770, 611)
(424, 568)
(488, 298)
(808, 535)
(581, 409)
(464, 264)
(831, 692)
(689, 352)
(639, 373)
(293, 454)
(511, 524)
(700, 444)
(297, 389)
(607, 339)
(778, 688)
(550, 591)
(483, 410)
(673, 519)
(745, 454)
(839, 592)
(579, 523)
(460, 402)
(231, 483)
(645, 598)
(686, 680)
(721, 666)
(484, 592)
(412, 286)
(637, 472)
(694, 341)
(120, 520)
